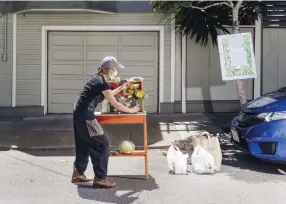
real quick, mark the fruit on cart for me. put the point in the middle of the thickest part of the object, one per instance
(126, 147)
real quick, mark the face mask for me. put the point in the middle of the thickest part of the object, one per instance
(113, 74)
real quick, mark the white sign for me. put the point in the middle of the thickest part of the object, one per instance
(236, 56)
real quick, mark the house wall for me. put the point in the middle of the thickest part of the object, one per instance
(178, 67)
(205, 91)
(29, 31)
(217, 92)
(6, 66)
(273, 59)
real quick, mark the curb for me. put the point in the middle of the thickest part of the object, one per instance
(67, 148)
(72, 148)
(26, 149)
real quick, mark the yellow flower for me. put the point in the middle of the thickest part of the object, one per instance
(134, 86)
(140, 94)
(130, 91)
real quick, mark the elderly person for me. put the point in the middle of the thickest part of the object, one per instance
(89, 135)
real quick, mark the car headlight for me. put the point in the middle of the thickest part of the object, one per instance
(280, 115)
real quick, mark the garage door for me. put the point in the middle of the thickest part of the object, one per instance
(75, 56)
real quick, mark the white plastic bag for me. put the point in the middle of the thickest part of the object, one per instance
(177, 161)
(202, 161)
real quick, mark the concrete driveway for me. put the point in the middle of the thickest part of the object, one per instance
(34, 177)
(44, 177)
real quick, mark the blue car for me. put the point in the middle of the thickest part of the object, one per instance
(260, 128)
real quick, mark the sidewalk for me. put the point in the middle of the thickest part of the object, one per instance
(55, 132)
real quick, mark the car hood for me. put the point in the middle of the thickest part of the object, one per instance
(275, 101)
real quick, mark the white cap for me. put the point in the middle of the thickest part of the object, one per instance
(109, 62)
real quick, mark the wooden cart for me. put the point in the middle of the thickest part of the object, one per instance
(138, 118)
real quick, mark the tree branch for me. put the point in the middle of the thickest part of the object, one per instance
(231, 3)
(238, 4)
(209, 6)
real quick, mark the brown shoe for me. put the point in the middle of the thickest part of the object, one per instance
(103, 183)
(77, 177)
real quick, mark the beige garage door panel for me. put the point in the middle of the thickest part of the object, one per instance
(66, 84)
(138, 56)
(91, 69)
(149, 102)
(149, 85)
(75, 40)
(63, 98)
(67, 69)
(138, 41)
(68, 55)
(75, 56)
(66, 91)
(138, 70)
(97, 55)
(102, 40)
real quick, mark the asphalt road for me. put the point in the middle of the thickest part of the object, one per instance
(44, 178)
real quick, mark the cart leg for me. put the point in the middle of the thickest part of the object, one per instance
(146, 149)
(146, 167)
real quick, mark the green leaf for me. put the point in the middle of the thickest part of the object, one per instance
(206, 25)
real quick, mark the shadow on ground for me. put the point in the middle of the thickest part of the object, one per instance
(126, 192)
(55, 132)
(223, 120)
(70, 153)
(240, 165)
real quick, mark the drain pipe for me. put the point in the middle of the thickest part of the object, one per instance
(4, 54)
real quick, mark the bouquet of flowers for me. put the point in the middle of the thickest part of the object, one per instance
(133, 95)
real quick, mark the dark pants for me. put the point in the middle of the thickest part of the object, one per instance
(97, 147)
